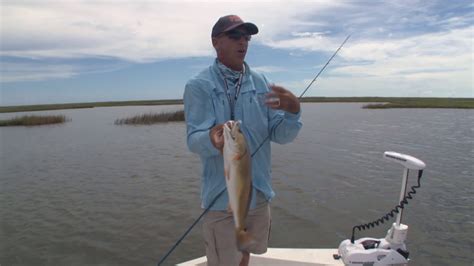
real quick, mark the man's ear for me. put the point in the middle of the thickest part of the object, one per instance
(215, 42)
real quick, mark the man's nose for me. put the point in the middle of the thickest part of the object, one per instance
(243, 39)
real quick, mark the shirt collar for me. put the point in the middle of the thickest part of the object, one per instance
(230, 74)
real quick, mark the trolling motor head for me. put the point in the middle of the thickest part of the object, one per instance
(408, 161)
(392, 248)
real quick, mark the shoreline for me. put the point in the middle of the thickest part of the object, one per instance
(376, 103)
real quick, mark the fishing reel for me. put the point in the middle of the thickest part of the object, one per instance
(390, 250)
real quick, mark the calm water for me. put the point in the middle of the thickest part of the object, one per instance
(92, 193)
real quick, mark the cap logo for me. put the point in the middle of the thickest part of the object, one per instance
(234, 18)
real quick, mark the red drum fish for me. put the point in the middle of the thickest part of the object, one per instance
(237, 170)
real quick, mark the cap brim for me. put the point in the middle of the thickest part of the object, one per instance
(250, 27)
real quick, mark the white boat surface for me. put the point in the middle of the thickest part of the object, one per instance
(285, 256)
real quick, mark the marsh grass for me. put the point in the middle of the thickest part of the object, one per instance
(33, 120)
(152, 118)
(457, 103)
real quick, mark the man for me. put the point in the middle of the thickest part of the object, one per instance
(230, 90)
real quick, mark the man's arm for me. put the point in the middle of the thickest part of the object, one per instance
(200, 118)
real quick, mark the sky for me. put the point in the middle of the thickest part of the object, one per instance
(65, 51)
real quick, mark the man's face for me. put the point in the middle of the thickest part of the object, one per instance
(232, 47)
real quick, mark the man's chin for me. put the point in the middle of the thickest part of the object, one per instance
(240, 59)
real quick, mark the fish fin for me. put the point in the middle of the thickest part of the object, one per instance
(244, 240)
(250, 198)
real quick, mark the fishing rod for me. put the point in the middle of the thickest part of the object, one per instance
(258, 148)
(311, 83)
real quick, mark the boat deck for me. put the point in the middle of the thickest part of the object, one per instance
(284, 256)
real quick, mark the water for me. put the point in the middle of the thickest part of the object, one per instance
(89, 192)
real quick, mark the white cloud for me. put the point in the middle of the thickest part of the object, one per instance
(141, 31)
(444, 44)
(307, 42)
(388, 49)
(439, 63)
(269, 69)
(38, 71)
(435, 58)
(12, 72)
(357, 86)
(137, 31)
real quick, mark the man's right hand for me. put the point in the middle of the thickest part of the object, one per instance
(217, 136)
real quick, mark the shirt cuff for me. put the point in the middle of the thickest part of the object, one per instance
(208, 144)
(291, 116)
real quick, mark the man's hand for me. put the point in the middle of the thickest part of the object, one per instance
(217, 136)
(287, 100)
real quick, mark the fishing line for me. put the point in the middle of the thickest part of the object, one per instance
(190, 228)
(258, 148)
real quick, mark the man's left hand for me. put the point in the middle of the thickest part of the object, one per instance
(287, 100)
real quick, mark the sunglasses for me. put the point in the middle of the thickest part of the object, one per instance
(236, 35)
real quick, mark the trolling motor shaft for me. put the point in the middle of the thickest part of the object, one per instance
(391, 249)
(410, 163)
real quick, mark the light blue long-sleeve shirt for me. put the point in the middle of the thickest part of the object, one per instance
(206, 105)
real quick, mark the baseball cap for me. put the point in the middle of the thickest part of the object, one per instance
(230, 22)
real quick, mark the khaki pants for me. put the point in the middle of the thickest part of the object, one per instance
(219, 235)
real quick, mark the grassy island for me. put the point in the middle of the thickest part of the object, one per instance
(398, 102)
(151, 118)
(33, 120)
(424, 103)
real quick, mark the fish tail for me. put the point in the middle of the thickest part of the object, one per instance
(244, 240)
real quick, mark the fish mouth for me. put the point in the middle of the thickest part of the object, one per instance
(228, 126)
(233, 127)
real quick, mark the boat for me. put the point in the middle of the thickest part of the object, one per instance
(389, 250)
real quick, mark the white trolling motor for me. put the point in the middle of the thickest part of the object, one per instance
(390, 250)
